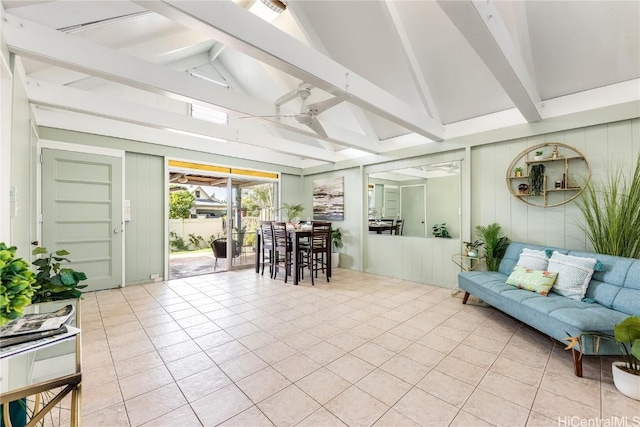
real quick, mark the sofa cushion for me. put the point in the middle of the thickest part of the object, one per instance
(533, 259)
(574, 274)
(539, 281)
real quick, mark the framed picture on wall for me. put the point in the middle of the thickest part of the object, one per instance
(328, 199)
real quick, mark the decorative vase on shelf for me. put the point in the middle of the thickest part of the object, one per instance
(473, 253)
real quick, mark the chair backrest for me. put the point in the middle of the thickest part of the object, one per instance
(279, 230)
(266, 233)
(399, 227)
(320, 235)
(219, 247)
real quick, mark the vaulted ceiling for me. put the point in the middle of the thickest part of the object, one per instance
(394, 74)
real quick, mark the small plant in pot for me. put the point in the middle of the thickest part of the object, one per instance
(626, 373)
(17, 284)
(54, 281)
(336, 243)
(440, 230)
(538, 155)
(471, 248)
(517, 171)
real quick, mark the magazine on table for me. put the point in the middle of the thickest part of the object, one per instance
(32, 327)
(36, 343)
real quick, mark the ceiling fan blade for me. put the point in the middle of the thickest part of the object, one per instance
(317, 127)
(292, 94)
(319, 107)
(266, 117)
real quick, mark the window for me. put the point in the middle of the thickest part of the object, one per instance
(197, 194)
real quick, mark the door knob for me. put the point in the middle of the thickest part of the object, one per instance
(116, 231)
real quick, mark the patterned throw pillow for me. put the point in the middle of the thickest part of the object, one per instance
(574, 274)
(535, 260)
(532, 280)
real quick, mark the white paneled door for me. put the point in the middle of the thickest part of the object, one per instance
(413, 210)
(82, 213)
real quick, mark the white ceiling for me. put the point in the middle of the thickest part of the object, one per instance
(415, 72)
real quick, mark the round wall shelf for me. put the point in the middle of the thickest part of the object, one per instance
(553, 178)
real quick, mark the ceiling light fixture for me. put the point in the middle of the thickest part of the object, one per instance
(183, 179)
(268, 9)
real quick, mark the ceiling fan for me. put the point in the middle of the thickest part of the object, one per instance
(308, 113)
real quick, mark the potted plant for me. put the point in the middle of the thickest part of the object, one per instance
(471, 248)
(517, 172)
(626, 373)
(292, 211)
(336, 243)
(17, 284)
(538, 155)
(54, 282)
(440, 230)
(495, 245)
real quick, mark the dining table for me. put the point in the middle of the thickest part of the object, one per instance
(380, 227)
(296, 237)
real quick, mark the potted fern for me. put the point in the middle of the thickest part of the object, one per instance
(495, 244)
(336, 243)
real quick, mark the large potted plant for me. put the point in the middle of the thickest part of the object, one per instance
(495, 245)
(626, 373)
(336, 243)
(55, 282)
(17, 284)
(292, 211)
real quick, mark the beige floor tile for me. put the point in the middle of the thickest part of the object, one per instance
(165, 340)
(136, 364)
(153, 404)
(405, 369)
(97, 376)
(227, 351)
(113, 416)
(143, 382)
(408, 332)
(373, 353)
(190, 365)
(323, 385)
(178, 351)
(288, 407)
(469, 354)
(484, 343)
(393, 418)
(617, 404)
(242, 330)
(350, 368)
(465, 419)
(366, 331)
(423, 354)
(202, 329)
(445, 387)
(356, 407)
(183, 417)
(495, 410)
(324, 353)
(126, 351)
(464, 371)
(347, 341)
(392, 342)
(203, 383)
(243, 366)
(383, 386)
(301, 340)
(251, 417)
(167, 325)
(323, 418)
(221, 405)
(553, 406)
(212, 340)
(581, 390)
(438, 342)
(508, 389)
(296, 366)
(424, 409)
(98, 398)
(537, 420)
(512, 369)
(263, 384)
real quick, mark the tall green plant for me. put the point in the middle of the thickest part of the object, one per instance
(611, 211)
(17, 284)
(495, 245)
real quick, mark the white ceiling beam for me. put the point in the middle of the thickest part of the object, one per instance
(35, 41)
(424, 93)
(101, 126)
(234, 26)
(69, 99)
(483, 28)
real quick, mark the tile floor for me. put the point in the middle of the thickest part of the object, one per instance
(239, 349)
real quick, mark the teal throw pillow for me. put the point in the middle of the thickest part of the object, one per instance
(532, 280)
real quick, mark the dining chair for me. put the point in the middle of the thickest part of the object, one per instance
(316, 256)
(390, 222)
(266, 235)
(219, 248)
(399, 227)
(281, 249)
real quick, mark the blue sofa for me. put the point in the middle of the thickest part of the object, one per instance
(613, 294)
